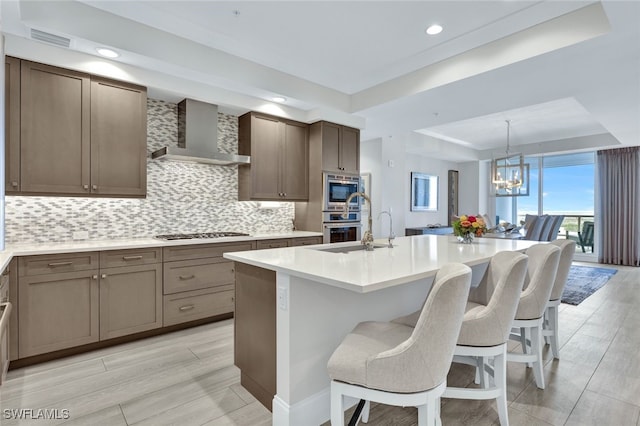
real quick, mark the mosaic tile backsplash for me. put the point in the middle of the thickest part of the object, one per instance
(181, 197)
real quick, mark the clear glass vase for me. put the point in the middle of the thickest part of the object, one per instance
(465, 238)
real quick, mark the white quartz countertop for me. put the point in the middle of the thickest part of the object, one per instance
(411, 258)
(29, 249)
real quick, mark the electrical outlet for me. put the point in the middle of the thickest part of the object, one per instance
(282, 298)
(80, 235)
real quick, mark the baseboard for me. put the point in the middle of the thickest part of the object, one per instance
(311, 411)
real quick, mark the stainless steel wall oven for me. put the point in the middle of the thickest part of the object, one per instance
(336, 189)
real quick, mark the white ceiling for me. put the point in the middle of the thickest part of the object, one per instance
(561, 71)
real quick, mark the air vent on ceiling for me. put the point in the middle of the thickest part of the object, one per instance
(50, 38)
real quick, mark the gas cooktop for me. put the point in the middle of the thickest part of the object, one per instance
(200, 235)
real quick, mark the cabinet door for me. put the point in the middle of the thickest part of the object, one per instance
(57, 311)
(12, 124)
(295, 170)
(118, 138)
(265, 158)
(331, 147)
(350, 150)
(130, 300)
(55, 132)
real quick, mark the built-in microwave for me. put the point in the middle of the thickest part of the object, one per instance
(336, 190)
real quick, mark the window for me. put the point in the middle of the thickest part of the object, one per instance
(560, 184)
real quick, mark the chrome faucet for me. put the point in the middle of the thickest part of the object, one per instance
(367, 238)
(391, 234)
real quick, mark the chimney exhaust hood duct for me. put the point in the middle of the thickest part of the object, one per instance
(198, 137)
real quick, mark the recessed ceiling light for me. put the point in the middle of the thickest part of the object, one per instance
(279, 99)
(434, 29)
(107, 52)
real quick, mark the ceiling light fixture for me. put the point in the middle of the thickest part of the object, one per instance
(434, 29)
(279, 99)
(509, 174)
(107, 53)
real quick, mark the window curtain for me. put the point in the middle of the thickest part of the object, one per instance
(618, 214)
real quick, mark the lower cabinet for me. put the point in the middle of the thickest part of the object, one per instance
(130, 300)
(198, 281)
(58, 311)
(68, 300)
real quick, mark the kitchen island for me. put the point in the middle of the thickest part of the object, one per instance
(295, 305)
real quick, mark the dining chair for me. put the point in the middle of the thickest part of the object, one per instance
(550, 323)
(539, 281)
(534, 230)
(396, 364)
(551, 228)
(485, 329)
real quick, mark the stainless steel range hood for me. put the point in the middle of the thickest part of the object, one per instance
(198, 137)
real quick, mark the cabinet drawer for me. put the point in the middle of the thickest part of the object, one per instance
(196, 274)
(193, 305)
(116, 258)
(55, 263)
(201, 251)
(267, 244)
(306, 241)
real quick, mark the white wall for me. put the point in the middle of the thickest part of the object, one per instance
(371, 162)
(390, 167)
(430, 166)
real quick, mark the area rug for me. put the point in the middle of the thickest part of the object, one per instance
(583, 281)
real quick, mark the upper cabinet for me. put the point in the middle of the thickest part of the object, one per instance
(78, 134)
(55, 135)
(118, 138)
(12, 124)
(279, 151)
(340, 146)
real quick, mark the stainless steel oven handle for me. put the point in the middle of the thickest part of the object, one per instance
(343, 225)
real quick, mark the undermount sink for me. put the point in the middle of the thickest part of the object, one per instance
(348, 249)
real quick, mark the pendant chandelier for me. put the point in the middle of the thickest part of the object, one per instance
(509, 174)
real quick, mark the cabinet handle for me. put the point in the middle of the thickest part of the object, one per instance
(186, 308)
(131, 257)
(56, 264)
(85, 186)
(14, 184)
(186, 277)
(94, 187)
(94, 277)
(103, 276)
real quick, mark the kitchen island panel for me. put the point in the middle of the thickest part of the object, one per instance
(255, 331)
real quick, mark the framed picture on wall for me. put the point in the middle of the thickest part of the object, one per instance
(365, 186)
(424, 192)
(452, 196)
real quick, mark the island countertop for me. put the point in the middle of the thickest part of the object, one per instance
(410, 259)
